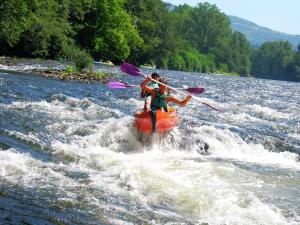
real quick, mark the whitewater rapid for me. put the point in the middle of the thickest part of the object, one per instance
(69, 153)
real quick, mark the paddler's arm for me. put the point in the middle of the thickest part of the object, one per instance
(145, 87)
(178, 102)
(143, 94)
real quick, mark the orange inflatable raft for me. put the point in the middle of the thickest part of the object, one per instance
(165, 121)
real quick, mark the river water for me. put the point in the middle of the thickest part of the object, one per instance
(70, 154)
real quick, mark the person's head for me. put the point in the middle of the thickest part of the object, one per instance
(155, 76)
(164, 81)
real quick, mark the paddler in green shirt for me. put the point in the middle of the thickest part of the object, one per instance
(146, 95)
(160, 98)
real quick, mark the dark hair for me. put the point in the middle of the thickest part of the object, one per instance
(163, 80)
(155, 75)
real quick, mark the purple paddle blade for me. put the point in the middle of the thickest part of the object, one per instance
(118, 85)
(130, 66)
(195, 90)
(130, 69)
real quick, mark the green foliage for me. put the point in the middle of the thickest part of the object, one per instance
(241, 52)
(116, 48)
(293, 68)
(206, 27)
(235, 53)
(177, 63)
(70, 69)
(208, 32)
(107, 31)
(156, 27)
(100, 75)
(15, 19)
(142, 32)
(190, 59)
(181, 15)
(64, 74)
(49, 30)
(80, 57)
(272, 59)
(223, 68)
(34, 28)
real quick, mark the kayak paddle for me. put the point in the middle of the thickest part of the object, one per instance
(134, 71)
(120, 85)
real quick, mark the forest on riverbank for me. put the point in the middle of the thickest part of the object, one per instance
(141, 32)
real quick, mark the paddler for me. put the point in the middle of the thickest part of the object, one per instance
(160, 98)
(147, 95)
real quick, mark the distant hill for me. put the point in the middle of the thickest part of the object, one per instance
(257, 35)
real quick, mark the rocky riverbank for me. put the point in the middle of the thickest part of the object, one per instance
(54, 69)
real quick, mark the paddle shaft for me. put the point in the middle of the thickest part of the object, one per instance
(174, 89)
(132, 70)
(181, 92)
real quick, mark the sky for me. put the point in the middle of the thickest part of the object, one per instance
(283, 16)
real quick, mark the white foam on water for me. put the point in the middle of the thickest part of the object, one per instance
(20, 68)
(228, 145)
(4, 67)
(242, 117)
(28, 138)
(186, 181)
(29, 67)
(268, 111)
(295, 135)
(150, 173)
(22, 169)
(136, 104)
(23, 67)
(71, 108)
(206, 100)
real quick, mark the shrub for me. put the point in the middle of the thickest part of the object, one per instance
(80, 57)
(98, 75)
(177, 62)
(70, 69)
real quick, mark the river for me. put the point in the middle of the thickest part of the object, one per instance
(70, 154)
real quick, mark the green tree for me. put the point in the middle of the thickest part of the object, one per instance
(176, 62)
(293, 69)
(239, 61)
(181, 14)
(208, 30)
(14, 21)
(271, 60)
(156, 27)
(107, 31)
(49, 31)
(207, 27)
(35, 28)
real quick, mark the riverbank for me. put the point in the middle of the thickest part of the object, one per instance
(53, 69)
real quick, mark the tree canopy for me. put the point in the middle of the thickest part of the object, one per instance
(274, 60)
(142, 32)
